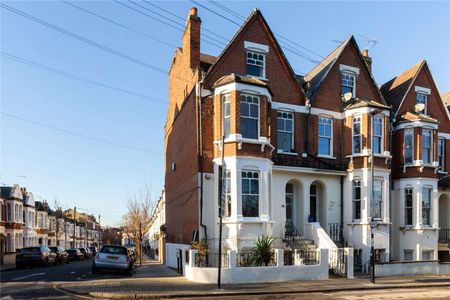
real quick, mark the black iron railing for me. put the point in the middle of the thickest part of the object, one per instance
(210, 260)
(444, 235)
(247, 259)
(306, 162)
(288, 258)
(293, 238)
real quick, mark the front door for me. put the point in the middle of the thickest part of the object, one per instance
(289, 203)
(313, 204)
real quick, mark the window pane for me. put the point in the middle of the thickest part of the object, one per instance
(250, 206)
(356, 144)
(245, 186)
(254, 111)
(249, 128)
(324, 146)
(244, 109)
(280, 124)
(288, 125)
(254, 70)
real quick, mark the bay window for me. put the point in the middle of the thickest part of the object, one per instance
(250, 193)
(408, 142)
(356, 128)
(377, 134)
(427, 146)
(408, 206)
(285, 131)
(356, 199)
(249, 119)
(325, 135)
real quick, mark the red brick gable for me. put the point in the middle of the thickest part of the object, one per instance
(328, 95)
(281, 78)
(435, 104)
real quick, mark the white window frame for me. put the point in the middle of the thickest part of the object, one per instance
(425, 97)
(408, 191)
(430, 148)
(285, 131)
(356, 183)
(429, 190)
(359, 117)
(249, 117)
(225, 99)
(328, 118)
(228, 194)
(250, 193)
(9, 212)
(441, 153)
(430, 251)
(408, 130)
(372, 196)
(257, 52)
(381, 137)
(352, 75)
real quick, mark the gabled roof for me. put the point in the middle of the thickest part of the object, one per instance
(40, 206)
(314, 79)
(255, 14)
(395, 90)
(316, 76)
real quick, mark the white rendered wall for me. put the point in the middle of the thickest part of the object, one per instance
(171, 253)
(357, 232)
(417, 237)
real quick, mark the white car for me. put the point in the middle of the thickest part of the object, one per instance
(112, 257)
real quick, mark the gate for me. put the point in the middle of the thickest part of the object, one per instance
(180, 261)
(338, 262)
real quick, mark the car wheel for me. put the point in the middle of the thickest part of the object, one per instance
(46, 263)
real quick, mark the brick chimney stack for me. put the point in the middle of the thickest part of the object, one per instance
(191, 39)
(367, 58)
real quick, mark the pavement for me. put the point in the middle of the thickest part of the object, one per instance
(154, 281)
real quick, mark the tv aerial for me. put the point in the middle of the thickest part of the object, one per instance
(370, 42)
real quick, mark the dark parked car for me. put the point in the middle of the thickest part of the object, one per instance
(75, 254)
(93, 250)
(113, 257)
(61, 254)
(41, 255)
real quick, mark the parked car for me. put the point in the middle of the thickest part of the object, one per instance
(75, 254)
(61, 254)
(85, 252)
(93, 250)
(113, 257)
(41, 255)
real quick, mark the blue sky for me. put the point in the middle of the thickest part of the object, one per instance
(126, 131)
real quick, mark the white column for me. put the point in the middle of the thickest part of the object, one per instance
(350, 267)
(264, 195)
(279, 256)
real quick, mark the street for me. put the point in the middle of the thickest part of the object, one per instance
(39, 282)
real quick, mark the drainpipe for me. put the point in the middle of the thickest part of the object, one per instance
(200, 151)
(305, 142)
(341, 233)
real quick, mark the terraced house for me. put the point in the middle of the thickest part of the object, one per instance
(318, 157)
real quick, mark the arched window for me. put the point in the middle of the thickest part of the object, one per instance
(356, 134)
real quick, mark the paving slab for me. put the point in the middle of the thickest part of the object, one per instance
(153, 280)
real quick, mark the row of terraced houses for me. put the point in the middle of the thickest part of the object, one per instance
(25, 222)
(299, 150)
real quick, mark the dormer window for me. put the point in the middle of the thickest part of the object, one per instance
(348, 84)
(255, 64)
(422, 99)
(348, 79)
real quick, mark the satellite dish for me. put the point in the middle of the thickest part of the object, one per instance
(419, 107)
(348, 96)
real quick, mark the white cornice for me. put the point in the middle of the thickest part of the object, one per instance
(242, 87)
(404, 125)
(444, 135)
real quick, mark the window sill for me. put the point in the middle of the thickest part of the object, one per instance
(257, 77)
(287, 153)
(247, 220)
(326, 156)
(237, 138)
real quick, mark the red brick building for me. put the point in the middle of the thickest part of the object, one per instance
(297, 149)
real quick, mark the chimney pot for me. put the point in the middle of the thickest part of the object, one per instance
(193, 11)
(365, 53)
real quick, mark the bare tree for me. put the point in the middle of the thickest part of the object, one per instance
(137, 220)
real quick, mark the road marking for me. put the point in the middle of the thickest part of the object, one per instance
(71, 294)
(27, 276)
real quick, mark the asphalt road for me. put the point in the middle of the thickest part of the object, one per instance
(39, 282)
